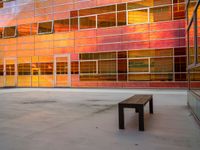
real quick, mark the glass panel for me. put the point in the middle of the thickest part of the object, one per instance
(1, 69)
(45, 27)
(46, 68)
(121, 18)
(179, 11)
(88, 67)
(98, 10)
(139, 77)
(89, 56)
(191, 44)
(160, 14)
(73, 13)
(147, 3)
(122, 66)
(107, 55)
(150, 53)
(1, 32)
(9, 32)
(106, 20)
(139, 65)
(121, 7)
(61, 25)
(74, 67)
(61, 68)
(122, 54)
(180, 64)
(162, 77)
(24, 69)
(180, 77)
(88, 22)
(24, 30)
(190, 9)
(179, 51)
(107, 66)
(162, 64)
(138, 16)
(73, 24)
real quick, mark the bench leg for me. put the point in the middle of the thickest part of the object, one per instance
(151, 106)
(141, 118)
(121, 116)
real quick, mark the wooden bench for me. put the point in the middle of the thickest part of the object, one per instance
(138, 102)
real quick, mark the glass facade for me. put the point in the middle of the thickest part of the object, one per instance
(110, 43)
(193, 45)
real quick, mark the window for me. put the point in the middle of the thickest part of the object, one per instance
(88, 22)
(9, 32)
(106, 20)
(160, 14)
(138, 16)
(24, 30)
(61, 25)
(74, 67)
(46, 68)
(179, 11)
(45, 27)
(24, 69)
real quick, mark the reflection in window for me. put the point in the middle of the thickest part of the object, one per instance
(24, 30)
(138, 16)
(160, 14)
(24, 69)
(10, 69)
(9, 32)
(139, 65)
(45, 27)
(88, 22)
(61, 25)
(61, 68)
(46, 68)
(106, 20)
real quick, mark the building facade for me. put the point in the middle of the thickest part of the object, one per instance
(193, 44)
(94, 43)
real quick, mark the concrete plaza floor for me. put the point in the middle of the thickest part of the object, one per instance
(87, 119)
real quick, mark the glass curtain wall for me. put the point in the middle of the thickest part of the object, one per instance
(193, 42)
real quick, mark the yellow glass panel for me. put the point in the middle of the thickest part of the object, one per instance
(35, 81)
(46, 81)
(139, 77)
(10, 81)
(138, 16)
(24, 81)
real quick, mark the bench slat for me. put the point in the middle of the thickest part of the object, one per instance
(137, 99)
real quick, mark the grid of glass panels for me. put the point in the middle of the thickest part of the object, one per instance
(135, 65)
(99, 17)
